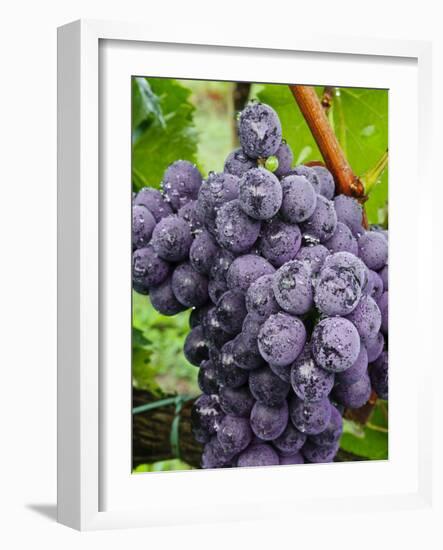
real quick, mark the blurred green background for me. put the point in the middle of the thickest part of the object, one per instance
(196, 121)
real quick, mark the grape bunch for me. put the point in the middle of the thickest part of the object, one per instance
(289, 297)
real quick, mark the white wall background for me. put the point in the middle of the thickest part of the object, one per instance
(28, 257)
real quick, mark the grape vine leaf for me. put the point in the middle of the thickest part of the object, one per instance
(359, 117)
(369, 441)
(163, 128)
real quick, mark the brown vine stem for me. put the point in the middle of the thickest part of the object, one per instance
(313, 112)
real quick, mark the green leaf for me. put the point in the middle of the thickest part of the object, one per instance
(145, 103)
(138, 339)
(157, 145)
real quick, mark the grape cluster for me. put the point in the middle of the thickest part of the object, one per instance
(289, 297)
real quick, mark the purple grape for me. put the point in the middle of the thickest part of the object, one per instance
(143, 223)
(366, 318)
(189, 212)
(316, 454)
(354, 396)
(148, 269)
(206, 416)
(195, 347)
(215, 191)
(235, 230)
(383, 304)
(349, 212)
(259, 130)
(373, 249)
(214, 333)
(260, 299)
(231, 311)
(285, 159)
(229, 373)
(310, 418)
(181, 183)
(234, 434)
(322, 223)
(260, 194)
(237, 163)
(279, 242)
(154, 201)
(250, 329)
(282, 371)
(207, 378)
(268, 423)
(296, 458)
(258, 454)
(202, 252)
(374, 346)
(236, 401)
(290, 441)
(189, 287)
(341, 260)
(384, 274)
(335, 344)
(358, 369)
(245, 357)
(292, 288)
(327, 184)
(375, 286)
(332, 433)
(310, 174)
(222, 261)
(337, 290)
(313, 257)
(197, 315)
(267, 387)
(310, 382)
(216, 289)
(244, 270)
(172, 239)
(342, 240)
(299, 199)
(281, 339)
(163, 299)
(379, 375)
(214, 456)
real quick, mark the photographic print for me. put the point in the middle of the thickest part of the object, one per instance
(259, 274)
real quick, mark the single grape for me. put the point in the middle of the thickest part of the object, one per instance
(207, 378)
(267, 387)
(383, 304)
(260, 299)
(202, 252)
(172, 239)
(143, 223)
(260, 194)
(250, 329)
(327, 184)
(189, 287)
(342, 240)
(147, 268)
(268, 423)
(196, 349)
(335, 344)
(290, 441)
(163, 299)
(234, 434)
(181, 183)
(154, 201)
(231, 311)
(237, 163)
(384, 274)
(229, 373)
(221, 262)
(281, 339)
(299, 199)
(271, 163)
(358, 369)
(214, 192)
(346, 260)
(190, 213)
(310, 382)
(213, 330)
(279, 242)
(310, 174)
(375, 286)
(206, 416)
(236, 401)
(244, 356)
(310, 418)
(323, 222)
(259, 130)
(296, 458)
(313, 257)
(292, 288)
(332, 433)
(349, 212)
(214, 456)
(373, 250)
(258, 454)
(285, 159)
(366, 318)
(246, 269)
(216, 289)
(337, 290)
(235, 230)
(197, 315)
(316, 454)
(379, 375)
(354, 396)
(374, 346)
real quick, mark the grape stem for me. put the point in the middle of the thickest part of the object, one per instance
(373, 175)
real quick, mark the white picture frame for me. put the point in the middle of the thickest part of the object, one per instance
(95, 487)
